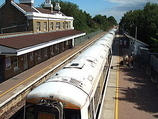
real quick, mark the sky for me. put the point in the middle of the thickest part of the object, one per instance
(115, 8)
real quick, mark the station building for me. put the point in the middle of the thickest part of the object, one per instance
(31, 35)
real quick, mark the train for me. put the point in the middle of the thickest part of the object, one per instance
(75, 91)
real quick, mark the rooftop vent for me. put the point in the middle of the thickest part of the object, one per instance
(27, 2)
(76, 82)
(48, 5)
(74, 65)
(57, 7)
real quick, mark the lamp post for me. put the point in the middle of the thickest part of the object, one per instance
(136, 30)
(136, 33)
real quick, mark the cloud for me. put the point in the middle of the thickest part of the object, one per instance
(116, 14)
(131, 1)
(124, 6)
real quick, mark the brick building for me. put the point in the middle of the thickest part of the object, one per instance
(33, 35)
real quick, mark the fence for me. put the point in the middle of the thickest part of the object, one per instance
(82, 39)
(144, 55)
(154, 62)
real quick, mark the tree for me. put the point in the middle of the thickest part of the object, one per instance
(151, 20)
(102, 21)
(154, 43)
(112, 21)
(146, 22)
(82, 20)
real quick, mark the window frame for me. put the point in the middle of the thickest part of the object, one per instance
(31, 56)
(57, 25)
(45, 26)
(39, 55)
(15, 63)
(8, 63)
(51, 26)
(38, 26)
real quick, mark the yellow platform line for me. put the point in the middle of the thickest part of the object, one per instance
(32, 76)
(39, 72)
(117, 92)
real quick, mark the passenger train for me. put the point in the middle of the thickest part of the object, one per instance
(75, 91)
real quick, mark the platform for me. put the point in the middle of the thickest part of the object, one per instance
(130, 92)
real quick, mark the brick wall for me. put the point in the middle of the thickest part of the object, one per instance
(10, 16)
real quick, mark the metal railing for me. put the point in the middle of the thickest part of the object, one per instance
(154, 62)
(87, 37)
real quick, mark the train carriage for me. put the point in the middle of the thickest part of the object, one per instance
(75, 91)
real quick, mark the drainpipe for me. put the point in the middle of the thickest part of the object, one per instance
(12, 27)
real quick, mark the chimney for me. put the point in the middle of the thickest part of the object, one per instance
(9, 1)
(48, 5)
(57, 7)
(27, 2)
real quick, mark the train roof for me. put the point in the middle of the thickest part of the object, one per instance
(59, 91)
(75, 82)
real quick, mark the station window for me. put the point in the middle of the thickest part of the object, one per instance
(63, 25)
(45, 26)
(62, 46)
(39, 55)
(57, 48)
(51, 26)
(38, 26)
(8, 63)
(69, 24)
(67, 42)
(31, 56)
(15, 63)
(45, 52)
(57, 25)
(66, 25)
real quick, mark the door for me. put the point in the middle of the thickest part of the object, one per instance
(1, 70)
(25, 62)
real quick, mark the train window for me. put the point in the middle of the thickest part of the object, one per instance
(72, 114)
(30, 109)
(41, 112)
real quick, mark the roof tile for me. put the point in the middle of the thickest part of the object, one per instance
(26, 8)
(19, 42)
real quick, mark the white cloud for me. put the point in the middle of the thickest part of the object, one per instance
(124, 6)
(116, 14)
(131, 1)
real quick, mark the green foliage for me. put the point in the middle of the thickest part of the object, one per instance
(112, 21)
(154, 44)
(82, 20)
(146, 21)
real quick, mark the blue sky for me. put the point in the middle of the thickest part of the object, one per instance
(115, 8)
